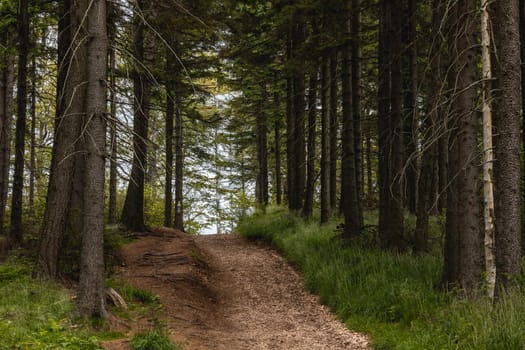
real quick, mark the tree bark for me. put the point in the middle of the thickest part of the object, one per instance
(488, 155)
(429, 131)
(507, 143)
(277, 149)
(356, 102)
(410, 107)
(291, 161)
(348, 162)
(299, 113)
(332, 84)
(70, 106)
(391, 162)
(133, 211)
(21, 111)
(113, 172)
(90, 300)
(464, 226)
(32, 145)
(170, 115)
(6, 117)
(179, 162)
(310, 160)
(326, 203)
(262, 149)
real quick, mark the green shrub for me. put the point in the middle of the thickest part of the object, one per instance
(35, 315)
(154, 340)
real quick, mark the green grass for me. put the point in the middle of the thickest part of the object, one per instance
(392, 297)
(36, 315)
(154, 340)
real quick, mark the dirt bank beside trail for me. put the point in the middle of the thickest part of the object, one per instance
(221, 292)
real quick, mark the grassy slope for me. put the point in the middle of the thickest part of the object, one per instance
(392, 297)
(35, 315)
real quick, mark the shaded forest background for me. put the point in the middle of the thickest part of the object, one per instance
(192, 114)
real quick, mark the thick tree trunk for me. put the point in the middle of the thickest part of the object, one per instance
(90, 300)
(326, 203)
(464, 228)
(348, 163)
(133, 211)
(391, 209)
(70, 106)
(507, 144)
(310, 167)
(6, 118)
(21, 110)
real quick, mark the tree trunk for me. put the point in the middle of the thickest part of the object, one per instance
(464, 228)
(326, 203)
(32, 151)
(507, 144)
(133, 211)
(70, 106)
(522, 53)
(277, 148)
(488, 156)
(391, 210)
(170, 114)
(179, 162)
(90, 300)
(428, 177)
(262, 149)
(291, 161)
(332, 84)
(310, 160)
(6, 118)
(299, 113)
(410, 107)
(21, 110)
(348, 163)
(356, 103)
(113, 173)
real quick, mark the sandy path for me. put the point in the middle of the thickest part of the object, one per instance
(245, 297)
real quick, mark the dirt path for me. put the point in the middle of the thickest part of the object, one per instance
(221, 292)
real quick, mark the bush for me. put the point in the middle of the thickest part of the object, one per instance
(154, 340)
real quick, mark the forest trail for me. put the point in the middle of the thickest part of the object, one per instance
(221, 292)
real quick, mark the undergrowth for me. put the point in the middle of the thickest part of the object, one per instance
(36, 315)
(392, 297)
(154, 340)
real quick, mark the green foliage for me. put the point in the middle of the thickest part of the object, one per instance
(35, 315)
(390, 296)
(154, 340)
(132, 294)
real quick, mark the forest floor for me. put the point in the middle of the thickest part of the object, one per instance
(223, 292)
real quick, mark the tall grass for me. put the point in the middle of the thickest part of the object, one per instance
(392, 297)
(35, 315)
